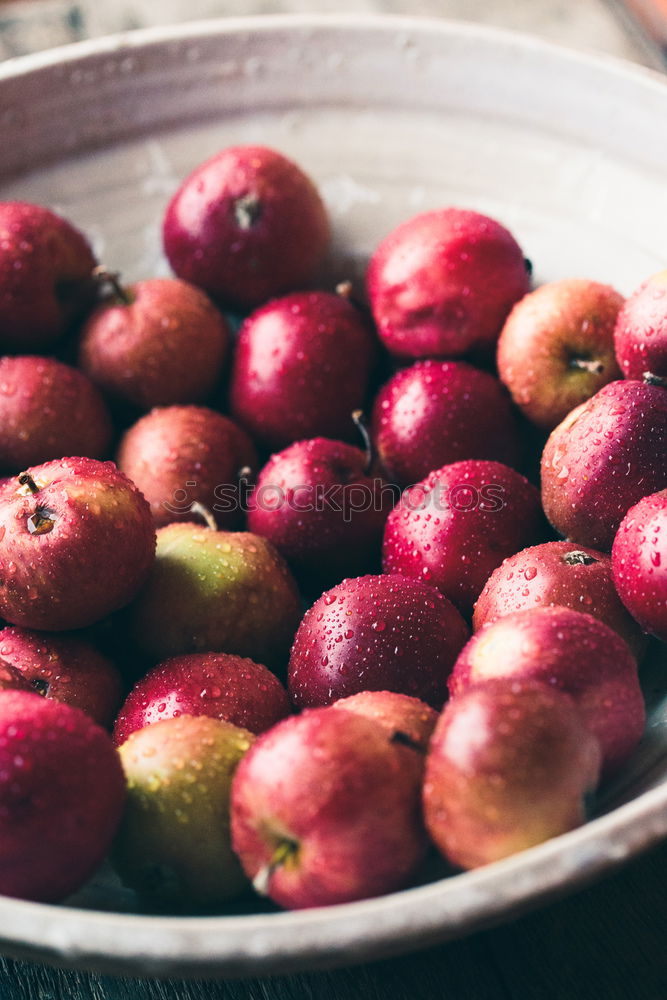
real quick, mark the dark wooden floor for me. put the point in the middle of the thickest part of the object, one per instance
(607, 942)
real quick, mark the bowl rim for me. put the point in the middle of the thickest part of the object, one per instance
(279, 942)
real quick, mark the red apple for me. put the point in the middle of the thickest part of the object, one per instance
(556, 348)
(641, 331)
(558, 573)
(47, 410)
(456, 526)
(443, 282)
(376, 633)
(76, 543)
(67, 668)
(408, 720)
(179, 455)
(438, 412)
(571, 651)
(301, 368)
(639, 562)
(45, 276)
(220, 685)
(62, 793)
(325, 809)
(603, 458)
(246, 225)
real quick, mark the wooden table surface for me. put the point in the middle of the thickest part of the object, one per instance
(608, 941)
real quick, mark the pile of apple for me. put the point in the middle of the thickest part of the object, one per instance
(164, 699)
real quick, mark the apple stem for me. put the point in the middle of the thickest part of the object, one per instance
(247, 210)
(198, 508)
(407, 741)
(105, 276)
(360, 422)
(578, 558)
(25, 479)
(528, 264)
(649, 378)
(283, 852)
(585, 365)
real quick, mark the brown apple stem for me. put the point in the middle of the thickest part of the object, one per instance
(528, 264)
(407, 741)
(578, 558)
(650, 378)
(585, 365)
(245, 472)
(345, 289)
(283, 852)
(360, 422)
(103, 275)
(25, 479)
(206, 515)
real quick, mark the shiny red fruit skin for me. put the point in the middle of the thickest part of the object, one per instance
(438, 412)
(246, 225)
(639, 562)
(301, 367)
(456, 526)
(375, 633)
(62, 792)
(640, 336)
(442, 283)
(220, 685)
(602, 459)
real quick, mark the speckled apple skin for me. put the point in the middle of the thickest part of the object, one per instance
(509, 766)
(173, 845)
(216, 591)
(245, 263)
(67, 668)
(639, 562)
(166, 346)
(339, 533)
(573, 652)
(62, 794)
(45, 276)
(220, 685)
(301, 367)
(438, 412)
(48, 409)
(602, 459)
(92, 562)
(375, 633)
(544, 332)
(456, 526)
(180, 454)
(443, 282)
(542, 576)
(641, 330)
(334, 784)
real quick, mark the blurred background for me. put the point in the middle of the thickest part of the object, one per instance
(633, 29)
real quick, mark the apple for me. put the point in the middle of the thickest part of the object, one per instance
(443, 282)
(639, 563)
(173, 845)
(375, 633)
(438, 412)
(602, 459)
(317, 502)
(510, 765)
(301, 367)
(640, 336)
(155, 343)
(409, 721)
(12, 679)
(215, 591)
(220, 685)
(62, 794)
(558, 573)
(246, 225)
(325, 809)
(456, 526)
(569, 650)
(556, 348)
(48, 409)
(67, 668)
(179, 455)
(76, 543)
(45, 276)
